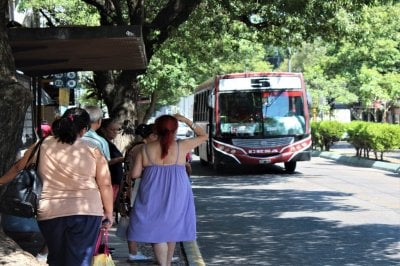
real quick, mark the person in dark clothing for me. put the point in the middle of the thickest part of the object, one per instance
(109, 130)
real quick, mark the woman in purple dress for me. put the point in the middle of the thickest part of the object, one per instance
(164, 211)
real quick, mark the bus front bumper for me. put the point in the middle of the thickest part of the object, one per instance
(245, 159)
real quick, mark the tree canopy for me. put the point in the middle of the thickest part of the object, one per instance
(362, 65)
(189, 41)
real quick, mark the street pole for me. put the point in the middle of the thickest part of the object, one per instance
(289, 59)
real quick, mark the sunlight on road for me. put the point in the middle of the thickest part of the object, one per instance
(347, 218)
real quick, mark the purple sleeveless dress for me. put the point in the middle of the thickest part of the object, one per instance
(164, 208)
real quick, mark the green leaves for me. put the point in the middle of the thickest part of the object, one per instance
(348, 50)
(62, 12)
(362, 65)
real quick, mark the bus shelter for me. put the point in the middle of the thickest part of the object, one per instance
(39, 52)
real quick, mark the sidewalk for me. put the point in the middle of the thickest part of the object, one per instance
(186, 253)
(344, 152)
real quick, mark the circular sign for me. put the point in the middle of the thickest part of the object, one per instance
(71, 83)
(59, 75)
(71, 75)
(58, 83)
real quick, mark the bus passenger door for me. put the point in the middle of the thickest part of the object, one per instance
(209, 144)
(203, 150)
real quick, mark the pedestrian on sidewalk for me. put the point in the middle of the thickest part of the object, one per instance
(164, 211)
(91, 136)
(147, 135)
(109, 130)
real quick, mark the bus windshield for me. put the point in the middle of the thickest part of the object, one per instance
(261, 113)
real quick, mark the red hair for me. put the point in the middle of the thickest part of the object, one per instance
(165, 127)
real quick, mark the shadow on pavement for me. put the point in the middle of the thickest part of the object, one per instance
(283, 228)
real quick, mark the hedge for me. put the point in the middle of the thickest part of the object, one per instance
(366, 137)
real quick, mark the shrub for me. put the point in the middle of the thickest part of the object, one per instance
(316, 136)
(364, 136)
(378, 137)
(331, 131)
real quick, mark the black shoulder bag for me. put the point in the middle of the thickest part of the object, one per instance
(21, 195)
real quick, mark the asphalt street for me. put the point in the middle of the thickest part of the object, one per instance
(324, 214)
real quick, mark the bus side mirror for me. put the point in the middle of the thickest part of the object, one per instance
(309, 99)
(211, 100)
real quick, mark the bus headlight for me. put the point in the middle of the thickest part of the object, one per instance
(229, 149)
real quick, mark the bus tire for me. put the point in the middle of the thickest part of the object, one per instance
(203, 162)
(290, 167)
(219, 168)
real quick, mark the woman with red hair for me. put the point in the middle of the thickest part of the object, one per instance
(164, 211)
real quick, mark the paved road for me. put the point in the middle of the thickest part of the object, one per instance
(324, 214)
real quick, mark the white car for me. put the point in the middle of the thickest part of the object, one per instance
(183, 131)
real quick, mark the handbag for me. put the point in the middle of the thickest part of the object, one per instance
(102, 256)
(123, 199)
(21, 195)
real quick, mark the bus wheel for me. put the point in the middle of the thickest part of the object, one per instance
(203, 162)
(290, 166)
(219, 168)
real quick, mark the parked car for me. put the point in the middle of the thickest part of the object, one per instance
(183, 131)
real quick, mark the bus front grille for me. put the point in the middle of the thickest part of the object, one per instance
(262, 143)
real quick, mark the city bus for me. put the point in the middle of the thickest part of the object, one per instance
(253, 118)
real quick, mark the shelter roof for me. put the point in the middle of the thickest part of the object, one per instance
(41, 51)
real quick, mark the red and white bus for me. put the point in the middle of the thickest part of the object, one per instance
(253, 118)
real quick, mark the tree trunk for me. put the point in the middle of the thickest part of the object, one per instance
(14, 99)
(12, 254)
(119, 92)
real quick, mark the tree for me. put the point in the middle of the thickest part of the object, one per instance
(368, 54)
(360, 66)
(14, 99)
(326, 90)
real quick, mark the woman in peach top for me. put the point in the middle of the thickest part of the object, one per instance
(77, 193)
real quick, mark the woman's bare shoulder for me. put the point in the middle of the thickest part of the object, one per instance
(138, 146)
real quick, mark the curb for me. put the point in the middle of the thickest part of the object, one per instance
(192, 253)
(361, 162)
